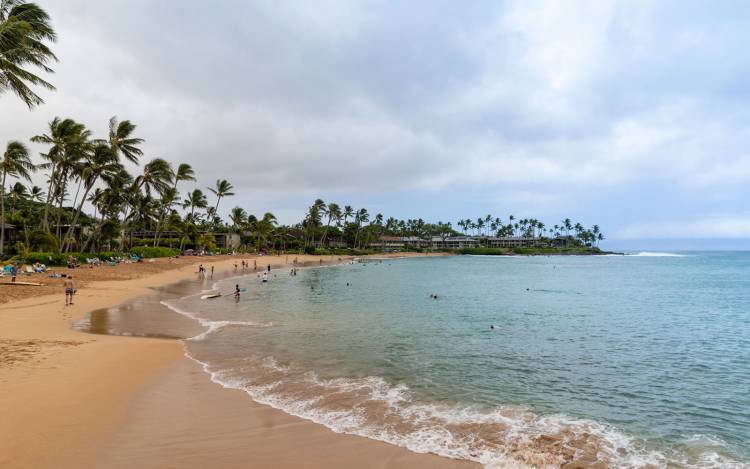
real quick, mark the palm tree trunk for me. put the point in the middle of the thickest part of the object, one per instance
(59, 207)
(66, 244)
(48, 203)
(2, 215)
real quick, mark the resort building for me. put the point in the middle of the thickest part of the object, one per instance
(511, 242)
(454, 242)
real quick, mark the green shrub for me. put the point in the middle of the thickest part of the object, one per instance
(47, 258)
(152, 252)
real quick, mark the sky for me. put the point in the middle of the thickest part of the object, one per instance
(632, 115)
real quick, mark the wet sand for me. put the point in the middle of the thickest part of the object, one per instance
(74, 400)
(182, 419)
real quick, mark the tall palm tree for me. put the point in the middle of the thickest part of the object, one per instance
(184, 172)
(157, 176)
(24, 31)
(165, 204)
(223, 189)
(16, 163)
(121, 140)
(102, 161)
(195, 199)
(36, 194)
(238, 215)
(334, 214)
(361, 217)
(66, 138)
(348, 213)
(112, 202)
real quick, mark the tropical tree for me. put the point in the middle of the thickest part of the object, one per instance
(195, 200)
(102, 161)
(223, 189)
(121, 140)
(157, 176)
(68, 139)
(25, 31)
(238, 215)
(15, 163)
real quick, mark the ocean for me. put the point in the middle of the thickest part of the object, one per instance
(640, 360)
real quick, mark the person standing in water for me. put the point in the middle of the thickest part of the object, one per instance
(70, 290)
(269, 267)
(237, 292)
(265, 277)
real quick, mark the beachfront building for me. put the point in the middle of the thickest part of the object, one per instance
(454, 242)
(399, 243)
(511, 242)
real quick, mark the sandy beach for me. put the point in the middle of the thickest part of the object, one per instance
(73, 399)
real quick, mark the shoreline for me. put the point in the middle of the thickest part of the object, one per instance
(67, 394)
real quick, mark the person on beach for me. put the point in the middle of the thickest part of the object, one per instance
(255, 264)
(70, 289)
(265, 276)
(237, 292)
(235, 267)
(13, 273)
(212, 271)
(269, 267)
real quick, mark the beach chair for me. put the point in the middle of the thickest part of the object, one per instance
(29, 270)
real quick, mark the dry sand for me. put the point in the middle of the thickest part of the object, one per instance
(74, 400)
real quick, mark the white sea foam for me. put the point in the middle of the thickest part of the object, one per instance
(655, 254)
(430, 425)
(210, 325)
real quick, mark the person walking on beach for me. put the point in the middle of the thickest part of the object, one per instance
(269, 267)
(237, 292)
(212, 271)
(70, 289)
(13, 273)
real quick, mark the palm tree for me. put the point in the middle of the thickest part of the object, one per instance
(64, 137)
(121, 140)
(36, 193)
(157, 175)
(238, 215)
(16, 163)
(103, 160)
(334, 214)
(184, 173)
(223, 189)
(348, 213)
(24, 30)
(361, 217)
(195, 199)
(167, 201)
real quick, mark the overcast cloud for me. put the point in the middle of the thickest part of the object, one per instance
(633, 115)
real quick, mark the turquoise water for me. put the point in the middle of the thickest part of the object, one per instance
(627, 360)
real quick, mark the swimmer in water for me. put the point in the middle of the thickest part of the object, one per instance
(492, 326)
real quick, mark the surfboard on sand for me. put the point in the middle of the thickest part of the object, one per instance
(208, 297)
(29, 284)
